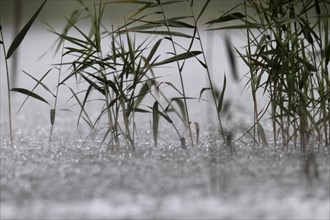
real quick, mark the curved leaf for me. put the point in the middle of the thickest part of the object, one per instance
(20, 36)
(225, 18)
(182, 56)
(29, 93)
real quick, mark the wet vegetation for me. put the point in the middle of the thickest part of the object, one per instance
(287, 53)
(110, 77)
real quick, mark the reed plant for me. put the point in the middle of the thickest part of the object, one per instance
(6, 55)
(124, 75)
(287, 53)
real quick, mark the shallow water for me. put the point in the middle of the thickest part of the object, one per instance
(76, 178)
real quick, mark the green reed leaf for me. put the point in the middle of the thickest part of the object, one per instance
(243, 26)
(317, 7)
(197, 129)
(143, 92)
(39, 82)
(29, 93)
(153, 50)
(202, 91)
(203, 9)
(140, 110)
(327, 54)
(230, 17)
(20, 36)
(183, 143)
(164, 33)
(155, 122)
(52, 116)
(95, 86)
(89, 89)
(232, 60)
(262, 134)
(222, 94)
(182, 56)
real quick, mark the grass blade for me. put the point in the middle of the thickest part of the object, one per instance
(262, 134)
(202, 91)
(231, 56)
(197, 132)
(219, 107)
(52, 116)
(182, 56)
(20, 36)
(29, 93)
(230, 17)
(155, 121)
(203, 9)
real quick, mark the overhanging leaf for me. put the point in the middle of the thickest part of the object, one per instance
(182, 56)
(20, 36)
(29, 93)
(230, 17)
(219, 107)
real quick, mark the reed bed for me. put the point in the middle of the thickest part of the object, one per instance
(287, 53)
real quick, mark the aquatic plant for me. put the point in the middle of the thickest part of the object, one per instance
(7, 54)
(287, 53)
(124, 75)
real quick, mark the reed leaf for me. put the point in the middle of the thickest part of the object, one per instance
(155, 122)
(20, 36)
(182, 56)
(163, 33)
(202, 91)
(225, 18)
(29, 93)
(52, 116)
(231, 56)
(222, 94)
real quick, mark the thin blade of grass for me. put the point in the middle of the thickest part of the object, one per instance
(164, 33)
(327, 54)
(52, 116)
(222, 94)
(89, 89)
(183, 143)
(144, 90)
(197, 128)
(155, 122)
(262, 134)
(230, 17)
(182, 56)
(29, 93)
(38, 82)
(87, 119)
(202, 91)
(203, 9)
(20, 36)
(93, 84)
(232, 60)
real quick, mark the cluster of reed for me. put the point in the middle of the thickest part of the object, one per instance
(287, 53)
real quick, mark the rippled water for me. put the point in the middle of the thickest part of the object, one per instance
(76, 178)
